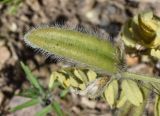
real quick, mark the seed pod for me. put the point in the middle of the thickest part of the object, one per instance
(74, 46)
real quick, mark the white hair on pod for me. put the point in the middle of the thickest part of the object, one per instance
(68, 62)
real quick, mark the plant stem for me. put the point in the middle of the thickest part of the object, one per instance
(129, 75)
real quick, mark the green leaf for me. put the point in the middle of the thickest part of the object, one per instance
(132, 92)
(60, 77)
(111, 92)
(67, 83)
(64, 93)
(54, 106)
(156, 87)
(122, 100)
(148, 81)
(128, 108)
(57, 108)
(157, 106)
(26, 104)
(82, 86)
(53, 77)
(83, 75)
(6, 1)
(13, 9)
(78, 75)
(45, 111)
(31, 78)
(30, 93)
(55, 84)
(73, 82)
(91, 75)
(155, 53)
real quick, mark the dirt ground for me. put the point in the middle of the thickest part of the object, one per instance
(108, 15)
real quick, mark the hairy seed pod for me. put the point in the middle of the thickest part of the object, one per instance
(76, 46)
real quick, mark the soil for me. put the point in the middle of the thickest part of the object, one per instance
(106, 15)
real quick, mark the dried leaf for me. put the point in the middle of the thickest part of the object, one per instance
(94, 89)
(35, 83)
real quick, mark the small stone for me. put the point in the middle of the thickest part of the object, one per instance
(93, 16)
(2, 42)
(158, 65)
(7, 89)
(24, 18)
(13, 27)
(4, 55)
(145, 58)
(132, 60)
(76, 110)
(90, 104)
(102, 106)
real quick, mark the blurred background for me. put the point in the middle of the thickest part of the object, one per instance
(19, 16)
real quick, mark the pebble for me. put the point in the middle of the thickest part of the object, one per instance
(89, 103)
(13, 27)
(4, 55)
(131, 60)
(1, 97)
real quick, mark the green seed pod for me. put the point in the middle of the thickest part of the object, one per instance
(74, 46)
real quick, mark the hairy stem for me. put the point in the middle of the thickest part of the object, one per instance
(129, 75)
